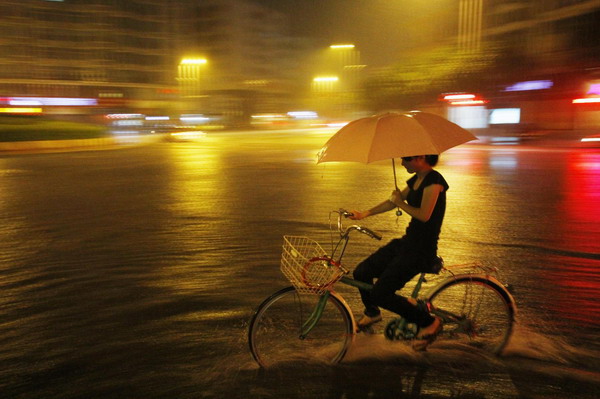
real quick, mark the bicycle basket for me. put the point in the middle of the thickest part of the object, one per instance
(305, 264)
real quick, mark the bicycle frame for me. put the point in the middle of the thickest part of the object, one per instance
(473, 304)
(463, 324)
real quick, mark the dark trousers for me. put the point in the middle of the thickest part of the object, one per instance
(393, 265)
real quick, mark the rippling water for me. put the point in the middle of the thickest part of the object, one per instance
(133, 273)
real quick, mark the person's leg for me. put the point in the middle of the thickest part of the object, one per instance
(371, 268)
(404, 268)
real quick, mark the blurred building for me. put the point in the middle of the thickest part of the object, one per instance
(252, 65)
(336, 88)
(109, 50)
(555, 34)
(231, 58)
(550, 66)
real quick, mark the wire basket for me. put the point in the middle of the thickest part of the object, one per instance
(305, 264)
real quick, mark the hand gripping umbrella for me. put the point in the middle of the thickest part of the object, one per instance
(393, 135)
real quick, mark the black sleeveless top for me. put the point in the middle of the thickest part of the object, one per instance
(423, 236)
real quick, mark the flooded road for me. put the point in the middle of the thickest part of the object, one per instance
(134, 273)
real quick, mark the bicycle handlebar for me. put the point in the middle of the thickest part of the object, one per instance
(360, 229)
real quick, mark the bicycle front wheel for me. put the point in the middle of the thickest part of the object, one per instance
(483, 311)
(275, 329)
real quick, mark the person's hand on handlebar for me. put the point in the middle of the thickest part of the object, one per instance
(357, 215)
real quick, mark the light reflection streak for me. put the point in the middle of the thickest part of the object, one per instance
(581, 196)
(197, 192)
(477, 210)
(577, 285)
(503, 160)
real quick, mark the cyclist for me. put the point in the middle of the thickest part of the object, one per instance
(424, 199)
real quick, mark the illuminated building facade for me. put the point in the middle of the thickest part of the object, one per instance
(128, 54)
(107, 49)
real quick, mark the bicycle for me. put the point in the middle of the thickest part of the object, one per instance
(311, 321)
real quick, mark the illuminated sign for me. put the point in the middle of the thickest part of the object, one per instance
(303, 114)
(505, 116)
(463, 99)
(450, 97)
(594, 89)
(48, 101)
(589, 100)
(467, 102)
(531, 85)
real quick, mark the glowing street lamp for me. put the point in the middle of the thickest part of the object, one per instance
(326, 79)
(341, 46)
(324, 84)
(193, 61)
(189, 74)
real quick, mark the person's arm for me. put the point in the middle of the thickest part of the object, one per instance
(385, 206)
(422, 213)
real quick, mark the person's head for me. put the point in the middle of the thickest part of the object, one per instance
(431, 159)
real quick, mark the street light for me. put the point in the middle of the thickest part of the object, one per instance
(338, 46)
(344, 60)
(193, 61)
(322, 84)
(189, 75)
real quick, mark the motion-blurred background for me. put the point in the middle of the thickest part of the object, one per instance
(510, 70)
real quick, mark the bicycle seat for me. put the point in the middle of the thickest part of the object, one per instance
(434, 265)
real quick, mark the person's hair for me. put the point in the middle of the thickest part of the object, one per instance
(432, 159)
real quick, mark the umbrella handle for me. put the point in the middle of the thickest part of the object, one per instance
(398, 211)
(394, 167)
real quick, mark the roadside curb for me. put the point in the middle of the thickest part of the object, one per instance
(78, 144)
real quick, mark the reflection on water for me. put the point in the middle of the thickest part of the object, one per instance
(579, 199)
(133, 273)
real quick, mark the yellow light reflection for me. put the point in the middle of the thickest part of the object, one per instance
(198, 185)
(477, 211)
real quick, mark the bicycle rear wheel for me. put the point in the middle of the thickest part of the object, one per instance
(486, 311)
(275, 328)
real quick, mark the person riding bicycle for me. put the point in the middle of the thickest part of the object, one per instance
(396, 263)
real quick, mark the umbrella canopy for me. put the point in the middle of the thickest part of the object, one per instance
(393, 135)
